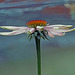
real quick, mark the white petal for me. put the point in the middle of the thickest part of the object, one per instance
(30, 30)
(50, 34)
(12, 33)
(57, 33)
(60, 26)
(63, 30)
(12, 27)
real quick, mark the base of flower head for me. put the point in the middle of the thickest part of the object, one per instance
(39, 34)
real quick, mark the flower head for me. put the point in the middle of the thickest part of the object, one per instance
(35, 23)
(38, 26)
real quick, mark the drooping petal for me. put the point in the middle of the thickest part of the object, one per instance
(30, 30)
(57, 33)
(63, 30)
(12, 33)
(50, 34)
(60, 26)
(17, 30)
(13, 27)
(58, 30)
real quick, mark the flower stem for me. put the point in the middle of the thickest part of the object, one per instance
(37, 40)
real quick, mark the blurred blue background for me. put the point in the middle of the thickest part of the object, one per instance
(18, 54)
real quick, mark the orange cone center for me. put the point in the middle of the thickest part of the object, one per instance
(35, 23)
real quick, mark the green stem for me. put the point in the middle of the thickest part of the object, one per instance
(37, 40)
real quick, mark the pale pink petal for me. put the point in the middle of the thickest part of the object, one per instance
(30, 30)
(50, 34)
(17, 30)
(57, 33)
(12, 33)
(61, 26)
(63, 30)
(58, 27)
(13, 27)
(58, 30)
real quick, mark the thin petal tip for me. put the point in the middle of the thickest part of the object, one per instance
(69, 26)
